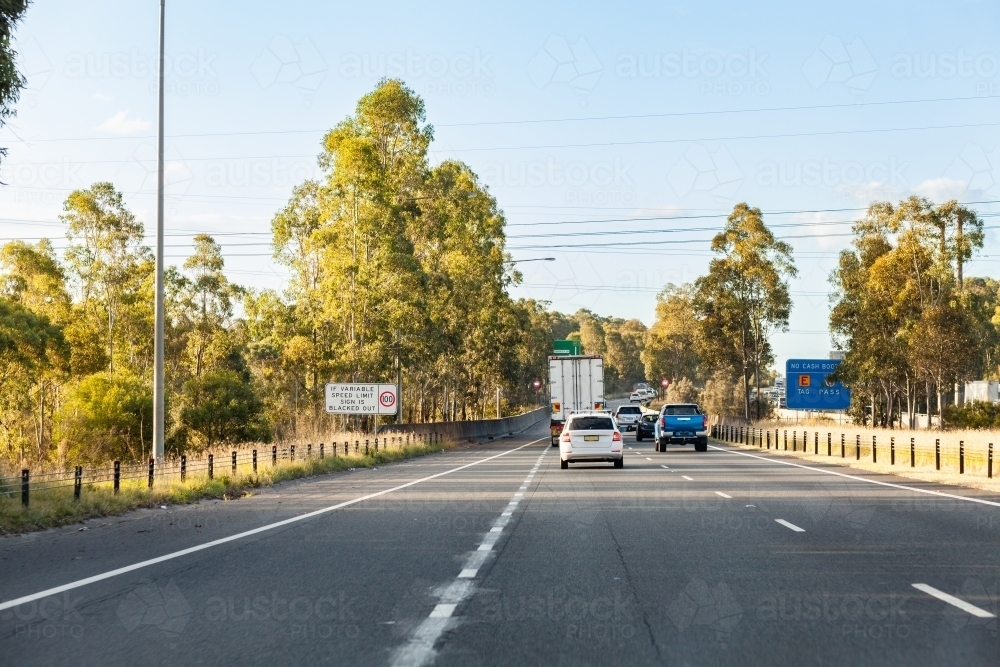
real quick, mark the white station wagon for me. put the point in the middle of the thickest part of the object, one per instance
(590, 436)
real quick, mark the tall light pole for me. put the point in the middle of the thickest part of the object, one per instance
(158, 398)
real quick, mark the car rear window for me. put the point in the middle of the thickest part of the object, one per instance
(629, 409)
(591, 424)
(674, 410)
(649, 418)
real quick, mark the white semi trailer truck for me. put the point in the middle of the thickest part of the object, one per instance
(576, 384)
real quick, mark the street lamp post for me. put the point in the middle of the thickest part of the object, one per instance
(158, 384)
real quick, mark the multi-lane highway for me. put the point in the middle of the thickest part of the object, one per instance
(492, 555)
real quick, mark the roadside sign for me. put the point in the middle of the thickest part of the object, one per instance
(664, 383)
(810, 387)
(361, 399)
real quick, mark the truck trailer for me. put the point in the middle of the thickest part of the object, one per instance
(576, 384)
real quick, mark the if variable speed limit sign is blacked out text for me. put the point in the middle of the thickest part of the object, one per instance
(361, 399)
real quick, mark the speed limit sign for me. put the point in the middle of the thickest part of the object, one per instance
(387, 399)
(356, 398)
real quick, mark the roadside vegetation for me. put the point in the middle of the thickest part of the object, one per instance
(56, 507)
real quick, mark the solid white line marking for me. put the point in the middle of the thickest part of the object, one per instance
(485, 547)
(238, 536)
(468, 573)
(790, 525)
(505, 514)
(952, 600)
(862, 479)
(687, 478)
(443, 611)
(720, 493)
(496, 529)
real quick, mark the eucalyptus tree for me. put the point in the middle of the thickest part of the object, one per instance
(112, 273)
(11, 81)
(744, 297)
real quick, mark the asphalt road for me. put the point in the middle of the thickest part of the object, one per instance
(679, 559)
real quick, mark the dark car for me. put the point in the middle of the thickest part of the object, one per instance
(646, 427)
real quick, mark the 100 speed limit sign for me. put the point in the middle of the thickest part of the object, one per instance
(361, 399)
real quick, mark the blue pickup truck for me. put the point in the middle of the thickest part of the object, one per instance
(680, 424)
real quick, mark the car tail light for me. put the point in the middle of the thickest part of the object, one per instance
(617, 437)
(566, 437)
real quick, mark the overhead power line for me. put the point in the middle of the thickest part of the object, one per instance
(535, 121)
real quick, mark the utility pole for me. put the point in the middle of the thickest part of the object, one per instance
(158, 398)
(399, 381)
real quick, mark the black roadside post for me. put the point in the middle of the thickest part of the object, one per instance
(769, 438)
(857, 448)
(118, 476)
(961, 457)
(152, 462)
(842, 452)
(25, 486)
(816, 445)
(211, 466)
(937, 453)
(892, 451)
(291, 453)
(321, 450)
(77, 482)
(234, 463)
(989, 462)
(829, 444)
(255, 461)
(913, 451)
(274, 456)
(309, 450)
(874, 450)
(184, 467)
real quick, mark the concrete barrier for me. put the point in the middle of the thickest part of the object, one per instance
(465, 430)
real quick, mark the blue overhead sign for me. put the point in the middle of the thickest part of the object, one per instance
(808, 385)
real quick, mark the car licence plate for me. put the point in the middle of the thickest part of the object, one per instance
(683, 434)
(591, 438)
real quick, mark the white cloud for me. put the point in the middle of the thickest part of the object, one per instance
(121, 124)
(102, 97)
(941, 189)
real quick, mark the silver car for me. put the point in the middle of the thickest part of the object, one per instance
(628, 416)
(590, 436)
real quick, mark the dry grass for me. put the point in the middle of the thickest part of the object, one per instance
(56, 507)
(924, 465)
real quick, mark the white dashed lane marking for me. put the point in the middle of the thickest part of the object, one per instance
(720, 493)
(687, 478)
(443, 611)
(792, 526)
(419, 650)
(954, 601)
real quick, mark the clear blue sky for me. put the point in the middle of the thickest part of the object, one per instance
(658, 119)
